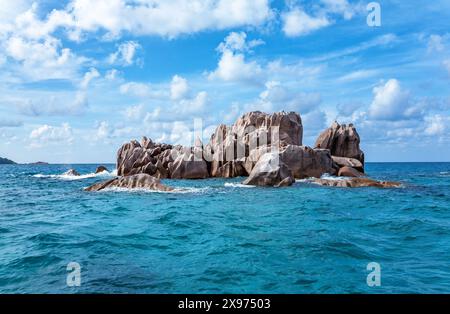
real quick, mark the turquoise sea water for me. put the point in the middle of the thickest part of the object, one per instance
(220, 237)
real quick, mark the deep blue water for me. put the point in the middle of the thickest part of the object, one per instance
(221, 238)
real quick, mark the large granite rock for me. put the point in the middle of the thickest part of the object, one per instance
(348, 162)
(234, 150)
(349, 172)
(137, 181)
(145, 157)
(306, 162)
(254, 155)
(238, 150)
(187, 166)
(342, 141)
(270, 171)
(356, 183)
(258, 124)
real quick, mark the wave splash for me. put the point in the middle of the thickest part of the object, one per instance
(238, 185)
(141, 190)
(325, 176)
(70, 177)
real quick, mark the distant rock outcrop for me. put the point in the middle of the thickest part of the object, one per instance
(356, 183)
(231, 152)
(6, 161)
(137, 181)
(101, 169)
(266, 148)
(72, 172)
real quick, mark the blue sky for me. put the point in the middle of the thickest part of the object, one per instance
(79, 78)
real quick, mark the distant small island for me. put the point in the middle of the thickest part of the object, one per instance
(39, 163)
(5, 161)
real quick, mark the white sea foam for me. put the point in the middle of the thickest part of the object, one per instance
(307, 180)
(142, 190)
(238, 185)
(325, 176)
(68, 177)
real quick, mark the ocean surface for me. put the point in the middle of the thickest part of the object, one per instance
(216, 236)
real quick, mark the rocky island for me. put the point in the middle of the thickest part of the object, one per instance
(6, 161)
(265, 148)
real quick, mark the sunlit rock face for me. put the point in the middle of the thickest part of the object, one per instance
(266, 148)
(229, 152)
(137, 181)
(342, 141)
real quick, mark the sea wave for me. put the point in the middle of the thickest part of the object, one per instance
(69, 177)
(142, 190)
(325, 176)
(238, 185)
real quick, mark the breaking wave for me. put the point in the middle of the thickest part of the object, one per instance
(142, 190)
(325, 176)
(69, 177)
(237, 185)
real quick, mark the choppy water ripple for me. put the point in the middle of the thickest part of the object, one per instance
(217, 236)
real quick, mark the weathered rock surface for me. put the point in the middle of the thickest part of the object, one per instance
(153, 159)
(137, 181)
(235, 150)
(101, 169)
(71, 172)
(187, 166)
(306, 162)
(250, 147)
(232, 151)
(348, 162)
(356, 183)
(256, 123)
(270, 171)
(342, 141)
(349, 172)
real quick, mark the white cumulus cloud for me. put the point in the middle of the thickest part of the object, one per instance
(88, 77)
(391, 102)
(178, 87)
(297, 22)
(146, 17)
(58, 104)
(47, 134)
(233, 65)
(436, 124)
(125, 54)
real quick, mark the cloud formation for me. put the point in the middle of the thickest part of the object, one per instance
(125, 54)
(47, 134)
(297, 22)
(54, 105)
